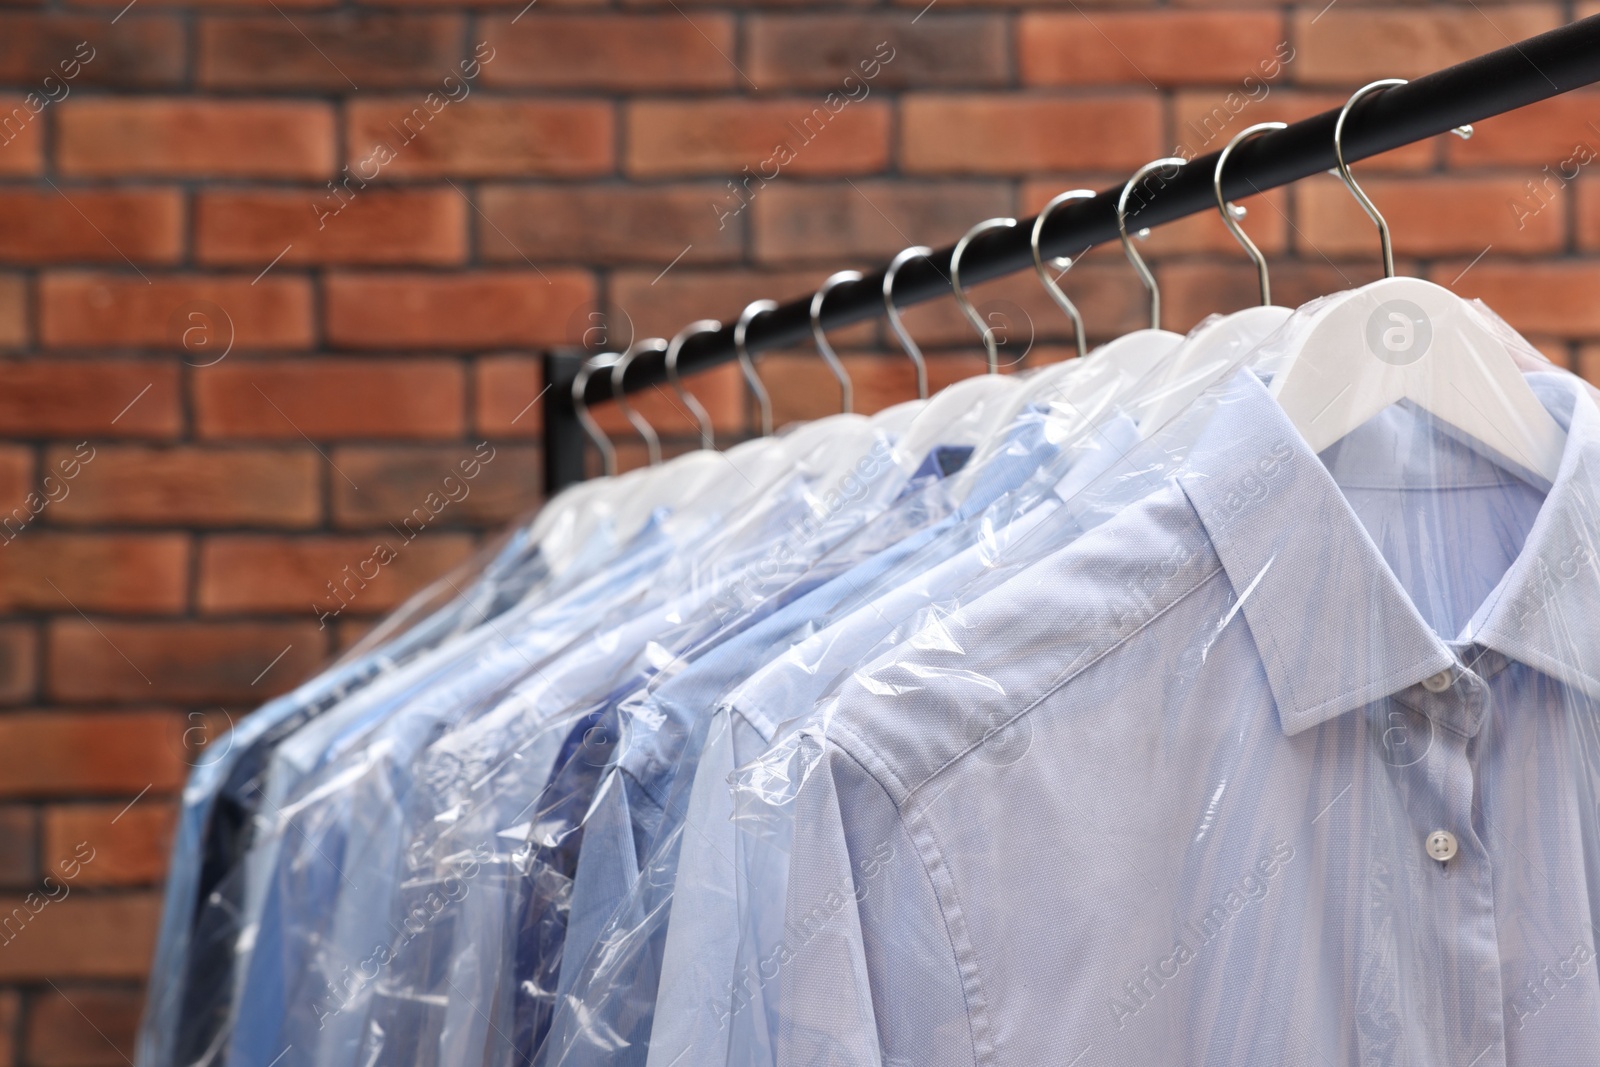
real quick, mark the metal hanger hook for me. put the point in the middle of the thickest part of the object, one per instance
(846, 390)
(899, 328)
(1051, 285)
(989, 346)
(1232, 213)
(1169, 163)
(702, 418)
(619, 374)
(758, 388)
(580, 385)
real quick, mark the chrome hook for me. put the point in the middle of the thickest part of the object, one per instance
(1232, 213)
(1172, 162)
(899, 328)
(989, 346)
(702, 418)
(1064, 262)
(846, 390)
(580, 384)
(748, 365)
(619, 374)
(1463, 132)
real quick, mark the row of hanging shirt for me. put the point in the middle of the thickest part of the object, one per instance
(1227, 698)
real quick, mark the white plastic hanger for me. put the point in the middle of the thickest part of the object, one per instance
(1222, 342)
(1409, 339)
(971, 410)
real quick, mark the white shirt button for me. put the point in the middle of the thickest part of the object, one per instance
(1441, 845)
(1438, 683)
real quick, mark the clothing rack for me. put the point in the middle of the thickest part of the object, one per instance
(1541, 67)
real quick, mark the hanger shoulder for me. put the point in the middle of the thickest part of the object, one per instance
(1409, 339)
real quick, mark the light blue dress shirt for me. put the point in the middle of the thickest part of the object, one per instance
(1293, 761)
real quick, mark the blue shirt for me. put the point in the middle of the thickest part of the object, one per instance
(1183, 791)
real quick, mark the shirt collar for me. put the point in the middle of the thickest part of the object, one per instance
(1334, 628)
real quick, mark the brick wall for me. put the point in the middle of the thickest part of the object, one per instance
(270, 270)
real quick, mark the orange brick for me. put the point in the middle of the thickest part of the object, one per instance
(1550, 133)
(794, 137)
(480, 137)
(350, 224)
(460, 311)
(608, 224)
(42, 570)
(396, 481)
(82, 1026)
(104, 137)
(19, 844)
(22, 133)
(331, 52)
(640, 305)
(1350, 46)
(328, 399)
(13, 311)
(131, 839)
(190, 662)
(19, 656)
(199, 315)
(871, 220)
(90, 225)
(78, 51)
(508, 392)
(199, 487)
(1428, 216)
(878, 51)
(63, 753)
(1266, 222)
(1550, 298)
(612, 51)
(998, 134)
(10, 1014)
(90, 397)
(252, 573)
(80, 936)
(1165, 48)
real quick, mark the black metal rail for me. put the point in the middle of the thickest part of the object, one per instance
(1520, 74)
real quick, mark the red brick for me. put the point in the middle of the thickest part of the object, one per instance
(1206, 120)
(1192, 290)
(1588, 364)
(75, 51)
(131, 839)
(723, 136)
(1266, 222)
(191, 662)
(353, 225)
(607, 224)
(612, 51)
(83, 309)
(485, 309)
(330, 399)
(720, 391)
(19, 843)
(191, 486)
(10, 1013)
(1428, 217)
(1582, 196)
(64, 753)
(251, 573)
(42, 570)
(1550, 133)
(480, 137)
(81, 936)
(212, 5)
(867, 219)
(877, 51)
(1551, 298)
(21, 133)
(1349, 46)
(1166, 48)
(13, 309)
(189, 138)
(82, 1026)
(71, 397)
(19, 657)
(999, 134)
(507, 390)
(330, 52)
(395, 482)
